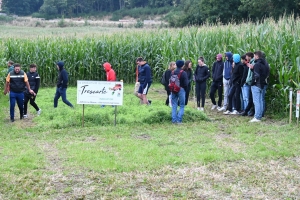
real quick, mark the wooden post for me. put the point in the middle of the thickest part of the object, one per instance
(82, 115)
(291, 104)
(297, 106)
(115, 115)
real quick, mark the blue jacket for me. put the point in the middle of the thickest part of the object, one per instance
(228, 66)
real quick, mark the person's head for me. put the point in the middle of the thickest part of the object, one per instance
(244, 60)
(249, 56)
(172, 66)
(179, 63)
(228, 56)
(187, 65)
(10, 63)
(60, 65)
(200, 61)
(17, 68)
(107, 66)
(258, 55)
(236, 58)
(219, 57)
(140, 61)
(32, 67)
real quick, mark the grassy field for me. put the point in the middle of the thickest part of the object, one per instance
(211, 156)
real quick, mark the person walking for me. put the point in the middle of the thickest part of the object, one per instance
(34, 82)
(62, 85)
(145, 80)
(187, 67)
(217, 84)
(16, 81)
(180, 96)
(201, 75)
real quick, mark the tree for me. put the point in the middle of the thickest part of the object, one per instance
(21, 7)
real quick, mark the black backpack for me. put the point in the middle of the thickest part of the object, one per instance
(163, 79)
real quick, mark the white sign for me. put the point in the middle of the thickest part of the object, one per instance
(100, 92)
(297, 104)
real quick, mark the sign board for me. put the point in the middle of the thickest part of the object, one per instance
(100, 92)
(297, 104)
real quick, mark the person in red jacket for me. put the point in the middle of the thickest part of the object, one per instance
(110, 73)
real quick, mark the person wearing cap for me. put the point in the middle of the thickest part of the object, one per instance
(145, 80)
(234, 98)
(180, 96)
(110, 74)
(201, 75)
(217, 83)
(34, 82)
(62, 85)
(16, 81)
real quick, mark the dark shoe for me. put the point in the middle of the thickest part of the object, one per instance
(21, 118)
(149, 102)
(12, 120)
(243, 113)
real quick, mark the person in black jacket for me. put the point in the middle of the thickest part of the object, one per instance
(187, 67)
(180, 96)
(62, 85)
(235, 90)
(34, 82)
(217, 84)
(201, 75)
(172, 66)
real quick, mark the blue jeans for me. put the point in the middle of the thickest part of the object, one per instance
(13, 97)
(257, 93)
(61, 92)
(177, 118)
(264, 101)
(245, 92)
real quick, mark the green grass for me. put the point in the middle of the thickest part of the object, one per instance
(52, 157)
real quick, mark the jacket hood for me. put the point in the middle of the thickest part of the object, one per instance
(60, 64)
(107, 66)
(229, 55)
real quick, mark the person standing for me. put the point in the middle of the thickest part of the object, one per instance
(34, 82)
(62, 85)
(201, 75)
(217, 84)
(16, 81)
(188, 69)
(180, 96)
(110, 75)
(10, 65)
(145, 80)
(226, 79)
(167, 74)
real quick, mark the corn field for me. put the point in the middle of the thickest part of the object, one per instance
(83, 57)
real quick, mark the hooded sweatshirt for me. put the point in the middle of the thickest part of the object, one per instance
(62, 80)
(110, 73)
(217, 71)
(260, 73)
(228, 66)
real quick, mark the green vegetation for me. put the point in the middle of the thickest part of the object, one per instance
(52, 157)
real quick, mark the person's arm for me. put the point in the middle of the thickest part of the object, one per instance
(37, 83)
(64, 75)
(207, 74)
(6, 86)
(27, 84)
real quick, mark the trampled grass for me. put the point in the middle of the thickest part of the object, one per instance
(52, 157)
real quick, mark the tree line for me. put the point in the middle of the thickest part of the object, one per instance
(179, 12)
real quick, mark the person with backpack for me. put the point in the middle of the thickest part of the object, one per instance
(189, 71)
(201, 75)
(165, 81)
(178, 84)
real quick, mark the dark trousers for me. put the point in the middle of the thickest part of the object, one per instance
(13, 97)
(234, 95)
(61, 92)
(167, 100)
(31, 99)
(250, 103)
(187, 94)
(214, 87)
(200, 91)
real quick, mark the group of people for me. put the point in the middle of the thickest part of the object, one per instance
(243, 79)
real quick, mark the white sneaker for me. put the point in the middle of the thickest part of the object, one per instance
(255, 120)
(235, 112)
(222, 109)
(226, 112)
(39, 112)
(201, 109)
(25, 116)
(213, 107)
(198, 108)
(218, 108)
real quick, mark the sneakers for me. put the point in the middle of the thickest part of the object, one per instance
(226, 112)
(255, 120)
(39, 112)
(222, 109)
(149, 102)
(198, 108)
(25, 116)
(12, 120)
(213, 107)
(235, 112)
(218, 108)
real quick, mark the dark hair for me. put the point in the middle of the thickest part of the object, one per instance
(139, 59)
(201, 58)
(32, 65)
(17, 65)
(11, 62)
(259, 54)
(186, 65)
(243, 57)
(250, 54)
